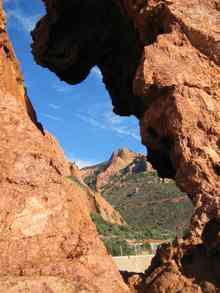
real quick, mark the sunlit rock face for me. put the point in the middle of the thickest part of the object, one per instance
(160, 61)
(12, 83)
(48, 242)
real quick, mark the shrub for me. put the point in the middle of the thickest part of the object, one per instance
(120, 231)
(117, 247)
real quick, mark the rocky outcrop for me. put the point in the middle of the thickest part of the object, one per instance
(121, 159)
(9, 68)
(173, 89)
(96, 203)
(39, 284)
(181, 128)
(118, 161)
(108, 213)
(75, 171)
(48, 242)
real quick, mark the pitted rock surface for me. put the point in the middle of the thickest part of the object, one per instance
(48, 242)
(172, 73)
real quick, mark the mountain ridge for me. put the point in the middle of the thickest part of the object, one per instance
(130, 184)
(119, 159)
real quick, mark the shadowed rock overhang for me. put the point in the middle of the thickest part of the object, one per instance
(160, 62)
(75, 36)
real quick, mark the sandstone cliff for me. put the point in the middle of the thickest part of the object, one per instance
(120, 159)
(48, 242)
(96, 202)
(160, 61)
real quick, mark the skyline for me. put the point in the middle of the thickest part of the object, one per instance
(76, 115)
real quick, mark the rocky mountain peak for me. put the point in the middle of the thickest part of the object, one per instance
(124, 154)
(121, 159)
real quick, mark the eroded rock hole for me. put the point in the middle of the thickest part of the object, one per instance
(88, 33)
(74, 42)
(216, 168)
(211, 233)
(159, 150)
(218, 143)
(201, 262)
(6, 50)
(155, 23)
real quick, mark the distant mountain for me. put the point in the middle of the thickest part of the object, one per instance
(98, 176)
(130, 184)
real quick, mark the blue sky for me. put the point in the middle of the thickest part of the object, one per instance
(81, 116)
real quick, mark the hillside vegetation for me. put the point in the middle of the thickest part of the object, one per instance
(115, 237)
(146, 201)
(130, 184)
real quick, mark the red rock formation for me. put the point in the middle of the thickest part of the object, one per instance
(121, 159)
(75, 171)
(182, 125)
(97, 203)
(48, 241)
(118, 161)
(108, 213)
(13, 83)
(175, 93)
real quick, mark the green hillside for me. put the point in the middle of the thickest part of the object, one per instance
(145, 201)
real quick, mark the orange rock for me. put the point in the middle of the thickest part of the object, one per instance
(121, 159)
(107, 212)
(47, 236)
(160, 62)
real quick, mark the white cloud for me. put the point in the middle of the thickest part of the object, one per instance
(27, 22)
(90, 120)
(81, 163)
(54, 106)
(109, 121)
(112, 118)
(52, 117)
(62, 87)
(126, 131)
(17, 17)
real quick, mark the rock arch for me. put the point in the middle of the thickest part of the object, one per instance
(160, 62)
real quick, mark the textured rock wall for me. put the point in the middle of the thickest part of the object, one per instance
(168, 52)
(48, 242)
(97, 203)
(181, 127)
